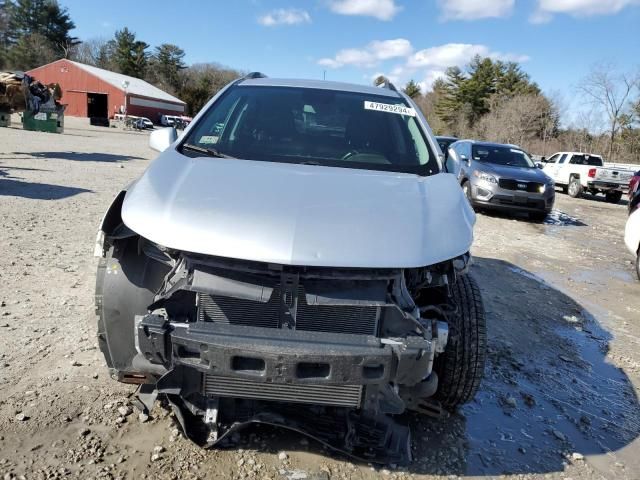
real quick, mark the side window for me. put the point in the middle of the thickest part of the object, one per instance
(554, 159)
(577, 160)
(563, 158)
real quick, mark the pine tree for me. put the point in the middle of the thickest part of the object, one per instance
(479, 87)
(31, 51)
(105, 57)
(511, 80)
(166, 65)
(412, 89)
(130, 55)
(452, 100)
(4, 32)
(42, 17)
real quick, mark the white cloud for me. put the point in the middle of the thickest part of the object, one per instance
(290, 16)
(448, 55)
(578, 8)
(457, 54)
(475, 9)
(380, 9)
(371, 55)
(428, 64)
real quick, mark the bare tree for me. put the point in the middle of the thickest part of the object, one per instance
(519, 119)
(88, 51)
(610, 91)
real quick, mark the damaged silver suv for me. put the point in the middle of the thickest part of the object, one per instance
(297, 258)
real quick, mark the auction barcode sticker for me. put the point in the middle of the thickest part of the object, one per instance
(386, 107)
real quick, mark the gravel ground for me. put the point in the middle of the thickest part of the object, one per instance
(559, 399)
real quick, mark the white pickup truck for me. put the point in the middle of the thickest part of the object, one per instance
(577, 172)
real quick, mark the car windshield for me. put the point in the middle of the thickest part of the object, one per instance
(502, 155)
(316, 127)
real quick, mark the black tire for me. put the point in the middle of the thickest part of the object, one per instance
(564, 189)
(613, 196)
(538, 216)
(461, 367)
(638, 264)
(575, 188)
(466, 189)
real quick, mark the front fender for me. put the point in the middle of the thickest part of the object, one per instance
(111, 220)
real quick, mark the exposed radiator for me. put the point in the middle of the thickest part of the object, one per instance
(336, 395)
(359, 320)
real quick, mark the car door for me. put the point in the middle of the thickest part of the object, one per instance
(562, 169)
(550, 165)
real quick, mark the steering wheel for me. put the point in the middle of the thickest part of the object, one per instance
(350, 154)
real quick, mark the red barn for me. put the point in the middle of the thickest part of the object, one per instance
(93, 92)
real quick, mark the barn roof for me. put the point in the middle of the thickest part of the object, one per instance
(136, 85)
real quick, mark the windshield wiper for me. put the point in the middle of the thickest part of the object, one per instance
(211, 152)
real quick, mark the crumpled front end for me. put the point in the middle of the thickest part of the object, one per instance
(328, 352)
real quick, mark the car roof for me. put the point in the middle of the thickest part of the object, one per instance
(320, 85)
(491, 144)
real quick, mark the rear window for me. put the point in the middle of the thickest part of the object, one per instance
(591, 160)
(317, 127)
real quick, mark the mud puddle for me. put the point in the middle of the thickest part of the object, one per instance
(561, 219)
(550, 396)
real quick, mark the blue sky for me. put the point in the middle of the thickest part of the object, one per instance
(557, 41)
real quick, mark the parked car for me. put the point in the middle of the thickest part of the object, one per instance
(632, 237)
(445, 142)
(168, 120)
(577, 172)
(634, 184)
(502, 177)
(269, 259)
(634, 201)
(142, 123)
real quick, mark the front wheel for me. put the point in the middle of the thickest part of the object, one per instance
(613, 196)
(466, 189)
(461, 366)
(575, 188)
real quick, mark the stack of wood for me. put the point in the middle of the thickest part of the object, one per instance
(19, 92)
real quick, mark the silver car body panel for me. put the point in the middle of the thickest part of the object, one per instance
(299, 214)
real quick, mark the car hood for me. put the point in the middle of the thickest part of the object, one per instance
(299, 214)
(515, 173)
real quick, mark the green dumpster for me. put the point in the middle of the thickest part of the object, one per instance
(46, 120)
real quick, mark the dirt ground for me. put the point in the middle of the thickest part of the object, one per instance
(559, 399)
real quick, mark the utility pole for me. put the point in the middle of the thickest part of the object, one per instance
(125, 85)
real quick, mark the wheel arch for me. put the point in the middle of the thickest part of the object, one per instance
(110, 222)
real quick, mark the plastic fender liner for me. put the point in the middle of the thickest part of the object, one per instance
(125, 286)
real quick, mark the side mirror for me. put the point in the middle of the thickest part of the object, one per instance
(465, 159)
(539, 165)
(161, 139)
